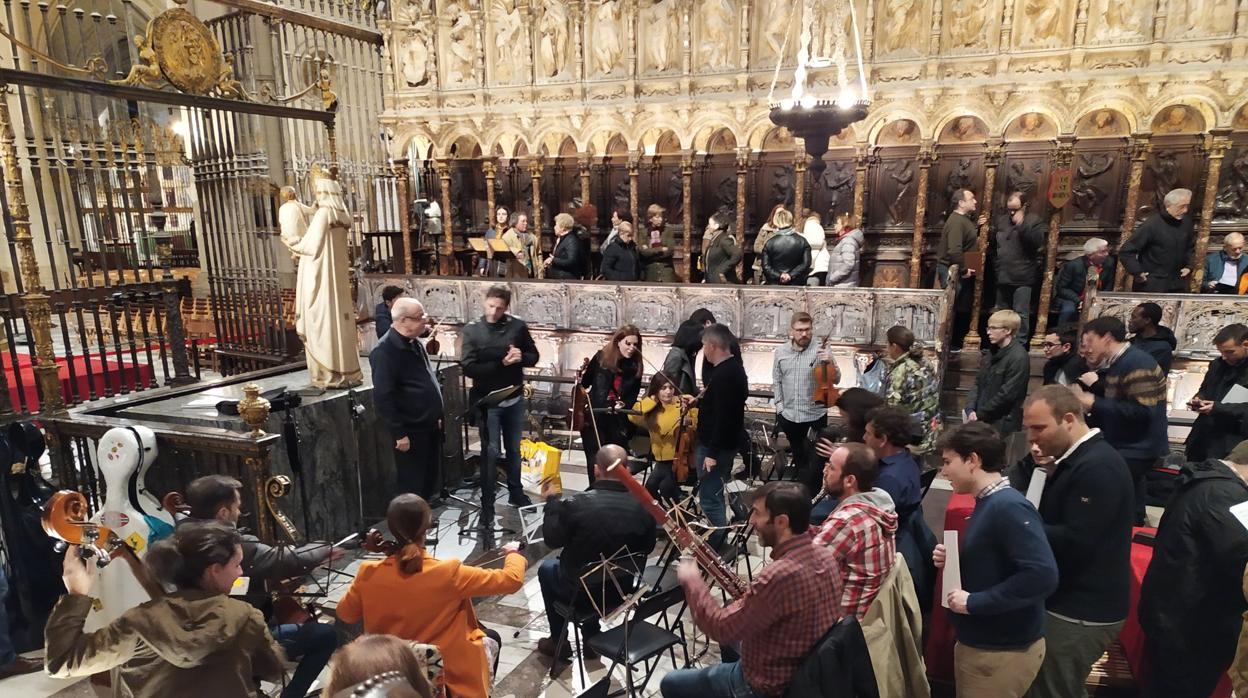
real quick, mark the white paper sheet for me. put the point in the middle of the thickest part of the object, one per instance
(1035, 488)
(952, 578)
(1240, 512)
(1237, 395)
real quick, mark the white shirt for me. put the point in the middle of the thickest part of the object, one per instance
(1230, 273)
(1077, 444)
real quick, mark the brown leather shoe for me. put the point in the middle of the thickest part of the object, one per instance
(20, 666)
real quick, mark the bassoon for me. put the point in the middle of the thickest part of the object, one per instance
(689, 542)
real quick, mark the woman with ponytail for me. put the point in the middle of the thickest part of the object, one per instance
(194, 641)
(660, 416)
(911, 384)
(415, 596)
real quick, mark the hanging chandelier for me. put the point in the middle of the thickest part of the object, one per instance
(817, 113)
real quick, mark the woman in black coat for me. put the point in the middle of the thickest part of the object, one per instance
(612, 380)
(620, 261)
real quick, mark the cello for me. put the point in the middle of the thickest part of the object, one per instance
(580, 399)
(827, 374)
(65, 518)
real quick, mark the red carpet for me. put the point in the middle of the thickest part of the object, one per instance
(74, 380)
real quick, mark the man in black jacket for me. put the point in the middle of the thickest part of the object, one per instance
(381, 314)
(603, 522)
(620, 259)
(1072, 278)
(1147, 333)
(1086, 505)
(567, 259)
(408, 399)
(1157, 254)
(1219, 424)
(1191, 603)
(1063, 365)
(721, 421)
(1020, 238)
(496, 349)
(786, 256)
(217, 498)
(1001, 386)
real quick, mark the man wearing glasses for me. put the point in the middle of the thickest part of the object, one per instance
(1001, 386)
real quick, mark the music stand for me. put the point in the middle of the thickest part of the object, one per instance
(493, 399)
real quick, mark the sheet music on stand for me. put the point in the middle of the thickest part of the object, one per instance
(531, 517)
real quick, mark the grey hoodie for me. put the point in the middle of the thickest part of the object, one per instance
(877, 504)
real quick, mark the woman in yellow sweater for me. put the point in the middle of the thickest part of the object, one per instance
(660, 415)
(415, 596)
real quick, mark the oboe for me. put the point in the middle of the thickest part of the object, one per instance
(688, 542)
(823, 494)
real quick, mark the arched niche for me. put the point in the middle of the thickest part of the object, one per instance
(1102, 123)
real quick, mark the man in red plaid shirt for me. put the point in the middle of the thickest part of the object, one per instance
(861, 531)
(792, 603)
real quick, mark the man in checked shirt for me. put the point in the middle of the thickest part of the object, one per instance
(792, 603)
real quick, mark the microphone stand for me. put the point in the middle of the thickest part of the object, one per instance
(356, 410)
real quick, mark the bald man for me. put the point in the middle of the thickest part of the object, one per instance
(408, 398)
(1225, 269)
(603, 522)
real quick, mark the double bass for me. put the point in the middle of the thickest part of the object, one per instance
(580, 399)
(827, 375)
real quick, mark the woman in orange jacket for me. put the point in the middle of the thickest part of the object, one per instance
(440, 610)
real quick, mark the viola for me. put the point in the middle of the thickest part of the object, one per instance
(580, 399)
(65, 518)
(827, 374)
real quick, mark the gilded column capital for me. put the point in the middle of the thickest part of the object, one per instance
(400, 167)
(489, 168)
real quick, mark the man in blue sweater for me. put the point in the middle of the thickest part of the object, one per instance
(1125, 397)
(1086, 506)
(1007, 570)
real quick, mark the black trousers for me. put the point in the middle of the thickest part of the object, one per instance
(1138, 467)
(801, 446)
(662, 483)
(1183, 669)
(417, 468)
(613, 430)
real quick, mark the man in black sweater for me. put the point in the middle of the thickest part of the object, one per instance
(1191, 603)
(1147, 333)
(958, 236)
(1157, 254)
(1087, 507)
(408, 399)
(721, 420)
(604, 522)
(496, 349)
(1220, 425)
(1020, 238)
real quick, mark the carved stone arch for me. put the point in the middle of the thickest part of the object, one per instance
(1054, 115)
(1201, 107)
(466, 146)
(416, 145)
(616, 145)
(884, 119)
(777, 139)
(955, 127)
(454, 137)
(722, 141)
(506, 142)
(758, 132)
(1182, 116)
(1104, 122)
(658, 139)
(1128, 105)
(1032, 125)
(600, 138)
(568, 148)
(1239, 121)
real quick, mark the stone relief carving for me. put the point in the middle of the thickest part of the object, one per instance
(1232, 199)
(716, 28)
(1041, 20)
(767, 314)
(1024, 176)
(920, 317)
(1102, 123)
(901, 30)
(414, 56)
(542, 305)
(841, 316)
(662, 22)
(461, 45)
(724, 304)
(901, 179)
(839, 181)
(607, 46)
(1031, 126)
(900, 132)
(1118, 21)
(1165, 171)
(1199, 320)
(653, 312)
(964, 129)
(443, 300)
(553, 28)
(775, 26)
(1176, 119)
(1204, 17)
(1088, 192)
(594, 307)
(966, 23)
(511, 42)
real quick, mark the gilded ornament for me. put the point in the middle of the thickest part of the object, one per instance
(253, 409)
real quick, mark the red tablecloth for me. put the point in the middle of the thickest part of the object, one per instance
(940, 639)
(95, 369)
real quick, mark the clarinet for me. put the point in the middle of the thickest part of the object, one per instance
(823, 494)
(688, 542)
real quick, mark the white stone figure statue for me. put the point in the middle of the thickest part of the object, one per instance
(903, 26)
(511, 41)
(462, 42)
(967, 23)
(776, 27)
(607, 47)
(324, 316)
(1118, 21)
(1041, 26)
(716, 25)
(662, 28)
(415, 56)
(554, 30)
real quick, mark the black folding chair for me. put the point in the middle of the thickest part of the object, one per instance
(637, 641)
(584, 608)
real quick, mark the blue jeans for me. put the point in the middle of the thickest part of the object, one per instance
(721, 681)
(315, 643)
(7, 654)
(1067, 311)
(942, 275)
(503, 428)
(711, 488)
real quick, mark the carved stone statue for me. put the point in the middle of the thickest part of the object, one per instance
(1021, 177)
(1232, 198)
(716, 25)
(607, 46)
(966, 128)
(967, 21)
(839, 180)
(324, 315)
(959, 178)
(1087, 193)
(1041, 25)
(903, 28)
(511, 41)
(662, 25)
(902, 176)
(1175, 120)
(462, 42)
(1165, 171)
(776, 26)
(782, 186)
(1118, 21)
(900, 132)
(554, 42)
(415, 56)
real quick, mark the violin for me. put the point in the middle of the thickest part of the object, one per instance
(580, 399)
(433, 346)
(65, 518)
(827, 374)
(686, 439)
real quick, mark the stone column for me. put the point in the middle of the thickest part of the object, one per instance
(639, 226)
(1062, 158)
(992, 160)
(686, 182)
(448, 223)
(1216, 144)
(535, 176)
(491, 205)
(862, 158)
(743, 161)
(1140, 149)
(403, 178)
(926, 157)
(583, 165)
(799, 186)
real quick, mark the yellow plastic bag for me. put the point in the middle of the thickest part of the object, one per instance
(539, 461)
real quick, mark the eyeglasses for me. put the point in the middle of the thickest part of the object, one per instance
(996, 327)
(1049, 345)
